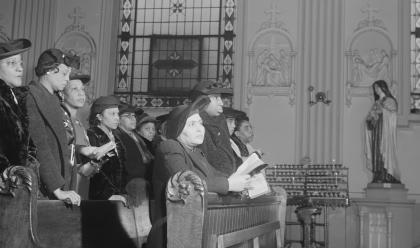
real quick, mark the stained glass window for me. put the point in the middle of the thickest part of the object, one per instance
(415, 56)
(166, 46)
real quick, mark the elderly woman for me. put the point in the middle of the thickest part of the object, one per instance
(185, 131)
(15, 145)
(110, 182)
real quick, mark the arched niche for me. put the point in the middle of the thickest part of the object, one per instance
(370, 56)
(271, 67)
(80, 43)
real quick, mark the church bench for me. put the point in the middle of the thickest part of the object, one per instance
(28, 222)
(197, 218)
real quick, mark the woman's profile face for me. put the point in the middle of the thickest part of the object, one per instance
(11, 70)
(109, 118)
(193, 133)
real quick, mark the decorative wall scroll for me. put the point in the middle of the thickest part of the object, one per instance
(75, 40)
(370, 56)
(272, 60)
(3, 35)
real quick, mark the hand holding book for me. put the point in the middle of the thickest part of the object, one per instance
(253, 166)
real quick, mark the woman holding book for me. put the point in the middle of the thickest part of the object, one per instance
(185, 132)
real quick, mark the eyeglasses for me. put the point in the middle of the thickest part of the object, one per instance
(14, 63)
(131, 116)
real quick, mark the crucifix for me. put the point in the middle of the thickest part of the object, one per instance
(273, 12)
(76, 15)
(369, 10)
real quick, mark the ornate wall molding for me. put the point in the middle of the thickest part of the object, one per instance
(370, 56)
(271, 60)
(77, 41)
(3, 35)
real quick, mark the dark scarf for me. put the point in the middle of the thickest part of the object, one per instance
(242, 147)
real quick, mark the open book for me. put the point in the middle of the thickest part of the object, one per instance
(252, 166)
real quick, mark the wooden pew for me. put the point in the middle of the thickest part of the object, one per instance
(196, 218)
(28, 222)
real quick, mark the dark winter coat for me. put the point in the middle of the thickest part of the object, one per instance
(16, 147)
(134, 161)
(172, 157)
(112, 177)
(216, 145)
(46, 128)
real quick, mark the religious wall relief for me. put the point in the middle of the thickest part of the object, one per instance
(272, 60)
(77, 41)
(370, 56)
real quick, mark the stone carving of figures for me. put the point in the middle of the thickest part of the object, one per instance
(376, 66)
(380, 135)
(272, 70)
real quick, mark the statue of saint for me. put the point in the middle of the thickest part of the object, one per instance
(381, 123)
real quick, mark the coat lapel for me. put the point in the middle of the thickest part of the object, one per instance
(198, 160)
(51, 112)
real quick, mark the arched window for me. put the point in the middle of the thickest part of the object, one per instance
(166, 46)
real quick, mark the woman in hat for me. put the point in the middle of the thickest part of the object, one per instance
(15, 145)
(47, 126)
(74, 98)
(111, 180)
(185, 131)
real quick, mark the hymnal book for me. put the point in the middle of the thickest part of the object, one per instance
(259, 186)
(252, 166)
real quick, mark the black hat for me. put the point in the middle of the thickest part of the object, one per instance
(231, 113)
(126, 108)
(145, 118)
(179, 115)
(82, 77)
(102, 103)
(209, 87)
(50, 59)
(162, 118)
(13, 47)
(139, 111)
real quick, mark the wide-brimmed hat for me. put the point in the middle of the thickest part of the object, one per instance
(209, 87)
(13, 47)
(178, 116)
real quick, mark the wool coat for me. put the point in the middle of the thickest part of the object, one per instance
(112, 177)
(46, 128)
